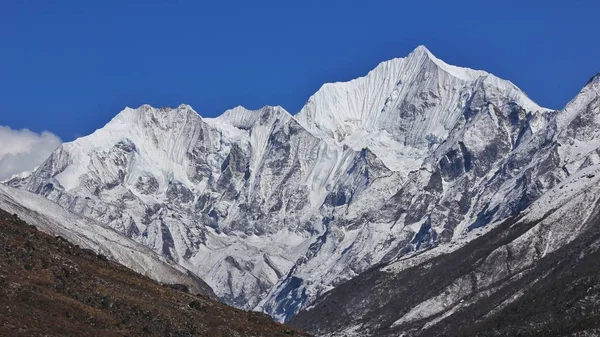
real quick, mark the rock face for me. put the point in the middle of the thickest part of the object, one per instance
(273, 210)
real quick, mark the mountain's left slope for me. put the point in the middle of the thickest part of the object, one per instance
(51, 287)
(101, 239)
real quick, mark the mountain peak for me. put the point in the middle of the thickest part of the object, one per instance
(421, 53)
(146, 112)
(403, 104)
(243, 118)
(594, 79)
(241, 109)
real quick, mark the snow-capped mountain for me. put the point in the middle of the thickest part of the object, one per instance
(272, 210)
(481, 279)
(403, 107)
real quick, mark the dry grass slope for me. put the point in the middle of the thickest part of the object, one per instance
(49, 287)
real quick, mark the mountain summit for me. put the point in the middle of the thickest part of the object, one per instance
(404, 106)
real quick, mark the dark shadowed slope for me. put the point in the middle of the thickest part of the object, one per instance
(50, 287)
(558, 296)
(564, 302)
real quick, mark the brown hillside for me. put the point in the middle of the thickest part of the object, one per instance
(49, 287)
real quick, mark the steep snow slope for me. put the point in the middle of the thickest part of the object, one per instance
(403, 107)
(87, 233)
(273, 210)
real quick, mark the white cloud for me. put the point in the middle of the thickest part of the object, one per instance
(22, 150)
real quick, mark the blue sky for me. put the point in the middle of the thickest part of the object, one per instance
(70, 66)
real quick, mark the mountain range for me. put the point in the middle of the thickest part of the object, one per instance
(405, 197)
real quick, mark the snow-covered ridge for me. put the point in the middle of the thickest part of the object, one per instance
(589, 93)
(22, 175)
(465, 74)
(245, 119)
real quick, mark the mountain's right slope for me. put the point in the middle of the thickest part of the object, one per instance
(533, 274)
